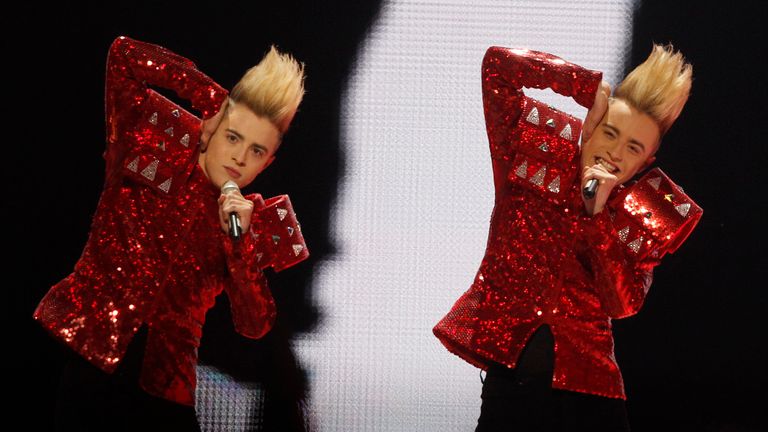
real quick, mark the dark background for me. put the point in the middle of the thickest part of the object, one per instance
(693, 359)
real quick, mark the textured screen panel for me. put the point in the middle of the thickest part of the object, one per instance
(225, 404)
(412, 216)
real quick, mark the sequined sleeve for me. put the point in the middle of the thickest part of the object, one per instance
(251, 302)
(506, 71)
(621, 279)
(274, 241)
(132, 66)
(648, 219)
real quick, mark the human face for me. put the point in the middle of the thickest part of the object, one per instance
(623, 143)
(240, 148)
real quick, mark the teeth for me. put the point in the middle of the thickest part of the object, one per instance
(607, 165)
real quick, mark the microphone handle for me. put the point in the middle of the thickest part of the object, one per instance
(234, 226)
(590, 189)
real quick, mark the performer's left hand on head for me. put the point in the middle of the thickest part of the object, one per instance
(606, 183)
(235, 202)
(209, 126)
(597, 112)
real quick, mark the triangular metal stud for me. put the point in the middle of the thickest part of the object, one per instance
(166, 185)
(669, 197)
(623, 233)
(683, 209)
(134, 165)
(275, 238)
(635, 244)
(259, 256)
(176, 113)
(290, 231)
(161, 145)
(551, 123)
(554, 185)
(153, 118)
(566, 132)
(297, 248)
(655, 182)
(150, 171)
(538, 178)
(544, 147)
(185, 140)
(169, 131)
(281, 213)
(522, 170)
(533, 116)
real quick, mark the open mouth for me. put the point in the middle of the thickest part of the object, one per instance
(611, 168)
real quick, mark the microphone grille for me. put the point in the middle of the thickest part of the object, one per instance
(229, 186)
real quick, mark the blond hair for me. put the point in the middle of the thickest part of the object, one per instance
(273, 88)
(659, 86)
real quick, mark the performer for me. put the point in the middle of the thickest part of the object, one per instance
(163, 242)
(561, 262)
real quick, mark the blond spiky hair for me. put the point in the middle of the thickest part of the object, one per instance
(273, 88)
(659, 86)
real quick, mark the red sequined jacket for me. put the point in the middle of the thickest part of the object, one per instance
(547, 262)
(156, 254)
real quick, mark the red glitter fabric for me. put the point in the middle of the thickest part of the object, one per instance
(156, 254)
(547, 262)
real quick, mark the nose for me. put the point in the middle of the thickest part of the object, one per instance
(615, 153)
(239, 154)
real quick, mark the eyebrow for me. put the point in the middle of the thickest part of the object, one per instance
(242, 138)
(618, 132)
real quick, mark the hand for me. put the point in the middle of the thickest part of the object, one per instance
(209, 126)
(234, 202)
(606, 183)
(597, 112)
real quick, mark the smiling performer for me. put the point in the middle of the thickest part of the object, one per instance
(563, 259)
(159, 251)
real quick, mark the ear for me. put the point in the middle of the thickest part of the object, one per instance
(648, 162)
(269, 162)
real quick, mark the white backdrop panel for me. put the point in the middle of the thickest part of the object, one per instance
(412, 215)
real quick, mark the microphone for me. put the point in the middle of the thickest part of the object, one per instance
(235, 231)
(590, 189)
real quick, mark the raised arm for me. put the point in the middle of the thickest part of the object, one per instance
(133, 66)
(506, 71)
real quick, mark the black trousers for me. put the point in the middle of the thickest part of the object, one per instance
(91, 400)
(522, 399)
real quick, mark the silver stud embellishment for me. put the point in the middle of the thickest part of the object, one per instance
(282, 213)
(554, 185)
(683, 209)
(185, 140)
(522, 170)
(551, 123)
(153, 118)
(150, 171)
(623, 233)
(566, 132)
(134, 165)
(635, 244)
(544, 147)
(297, 248)
(533, 116)
(176, 113)
(655, 182)
(538, 178)
(169, 131)
(166, 185)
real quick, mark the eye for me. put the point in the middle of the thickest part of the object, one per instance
(609, 133)
(635, 149)
(232, 138)
(257, 151)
